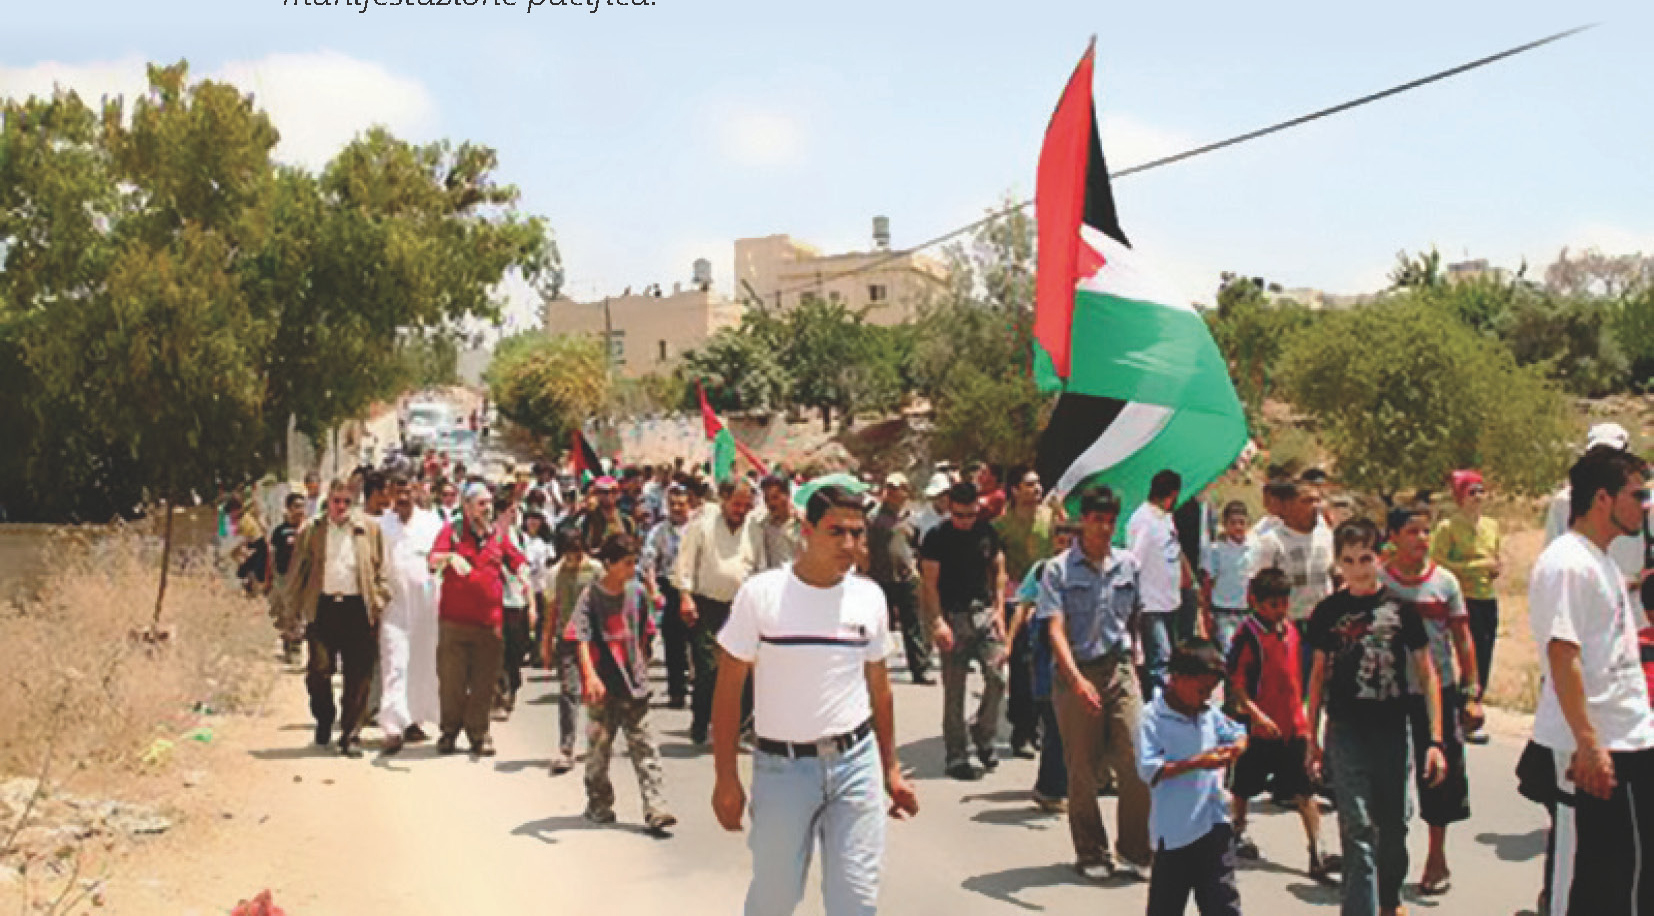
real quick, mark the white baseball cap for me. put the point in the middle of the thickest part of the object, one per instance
(1609, 434)
(939, 484)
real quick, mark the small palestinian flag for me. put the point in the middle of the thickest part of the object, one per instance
(724, 444)
(586, 465)
(1143, 386)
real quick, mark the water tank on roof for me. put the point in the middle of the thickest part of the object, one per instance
(703, 273)
(881, 232)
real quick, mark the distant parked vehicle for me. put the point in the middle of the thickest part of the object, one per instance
(459, 445)
(426, 421)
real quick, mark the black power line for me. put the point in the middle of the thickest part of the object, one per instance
(1199, 151)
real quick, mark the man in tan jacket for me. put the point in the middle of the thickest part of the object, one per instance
(338, 588)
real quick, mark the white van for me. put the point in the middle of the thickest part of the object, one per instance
(426, 421)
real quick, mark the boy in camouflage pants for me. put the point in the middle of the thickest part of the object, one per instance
(613, 630)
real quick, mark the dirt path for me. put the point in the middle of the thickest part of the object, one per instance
(422, 834)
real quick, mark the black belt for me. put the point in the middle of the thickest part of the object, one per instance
(833, 744)
(341, 599)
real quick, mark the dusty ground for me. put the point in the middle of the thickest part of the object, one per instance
(422, 834)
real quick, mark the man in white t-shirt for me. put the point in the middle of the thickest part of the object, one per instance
(1627, 551)
(1593, 711)
(1151, 537)
(814, 637)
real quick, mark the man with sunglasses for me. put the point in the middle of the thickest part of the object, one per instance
(962, 575)
(1593, 714)
(339, 588)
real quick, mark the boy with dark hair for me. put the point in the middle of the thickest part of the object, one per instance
(1434, 592)
(282, 539)
(1364, 639)
(1225, 580)
(962, 575)
(612, 629)
(1265, 690)
(1088, 601)
(1183, 747)
(575, 571)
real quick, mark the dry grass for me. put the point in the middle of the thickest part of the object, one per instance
(78, 688)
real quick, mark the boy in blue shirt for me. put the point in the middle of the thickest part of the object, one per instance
(1183, 747)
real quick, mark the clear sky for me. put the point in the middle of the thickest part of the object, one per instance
(652, 135)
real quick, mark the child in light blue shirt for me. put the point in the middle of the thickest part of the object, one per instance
(1184, 745)
(1225, 567)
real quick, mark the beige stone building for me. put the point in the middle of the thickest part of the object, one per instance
(890, 284)
(649, 330)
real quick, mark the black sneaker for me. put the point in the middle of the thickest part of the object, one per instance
(1246, 849)
(1321, 868)
(990, 761)
(963, 771)
(447, 744)
(324, 734)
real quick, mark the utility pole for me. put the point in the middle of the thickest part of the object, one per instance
(608, 342)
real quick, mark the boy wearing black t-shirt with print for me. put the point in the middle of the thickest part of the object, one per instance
(281, 548)
(1363, 638)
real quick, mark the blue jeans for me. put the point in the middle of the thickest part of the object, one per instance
(1052, 781)
(838, 800)
(1370, 764)
(1157, 649)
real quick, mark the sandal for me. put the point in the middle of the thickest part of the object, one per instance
(1437, 886)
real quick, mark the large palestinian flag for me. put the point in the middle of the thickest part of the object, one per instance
(1143, 386)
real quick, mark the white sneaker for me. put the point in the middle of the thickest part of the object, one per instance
(1096, 871)
(1130, 871)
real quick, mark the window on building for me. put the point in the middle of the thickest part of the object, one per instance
(662, 357)
(617, 347)
(877, 292)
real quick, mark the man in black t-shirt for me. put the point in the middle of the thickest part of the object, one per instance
(1363, 638)
(962, 577)
(281, 548)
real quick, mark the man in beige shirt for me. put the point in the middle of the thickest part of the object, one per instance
(780, 533)
(719, 551)
(337, 587)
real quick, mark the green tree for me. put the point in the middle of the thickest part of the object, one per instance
(1403, 393)
(972, 354)
(1634, 329)
(1251, 331)
(741, 367)
(156, 353)
(171, 297)
(548, 384)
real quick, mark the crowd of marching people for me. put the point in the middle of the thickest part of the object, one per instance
(1186, 658)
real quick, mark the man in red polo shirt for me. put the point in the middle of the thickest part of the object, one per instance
(472, 558)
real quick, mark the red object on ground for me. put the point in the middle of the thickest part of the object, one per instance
(262, 905)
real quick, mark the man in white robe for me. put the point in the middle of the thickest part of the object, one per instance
(408, 632)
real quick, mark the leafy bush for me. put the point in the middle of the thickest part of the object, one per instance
(1404, 393)
(548, 384)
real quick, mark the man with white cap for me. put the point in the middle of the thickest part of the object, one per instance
(892, 562)
(935, 510)
(471, 558)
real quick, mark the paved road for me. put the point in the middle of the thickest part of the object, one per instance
(421, 834)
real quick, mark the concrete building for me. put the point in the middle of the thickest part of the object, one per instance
(649, 330)
(891, 284)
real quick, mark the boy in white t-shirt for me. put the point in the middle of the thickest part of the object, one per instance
(814, 637)
(1593, 710)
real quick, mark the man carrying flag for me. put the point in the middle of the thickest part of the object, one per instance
(1143, 393)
